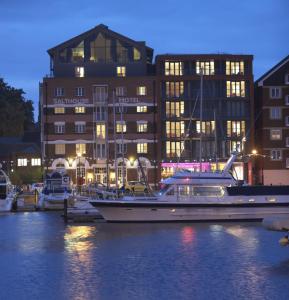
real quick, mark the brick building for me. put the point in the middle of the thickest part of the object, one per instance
(272, 134)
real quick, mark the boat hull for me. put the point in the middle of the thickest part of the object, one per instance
(184, 212)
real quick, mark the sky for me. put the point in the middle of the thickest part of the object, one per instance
(29, 28)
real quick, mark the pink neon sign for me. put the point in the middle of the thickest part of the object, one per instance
(191, 165)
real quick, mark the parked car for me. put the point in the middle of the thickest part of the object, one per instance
(135, 186)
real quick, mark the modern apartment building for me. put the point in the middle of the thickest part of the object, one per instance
(204, 100)
(107, 108)
(272, 135)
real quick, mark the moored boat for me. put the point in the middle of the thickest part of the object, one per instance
(7, 192)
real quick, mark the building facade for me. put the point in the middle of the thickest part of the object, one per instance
(107, 109)
(204, 100)
(272, 135)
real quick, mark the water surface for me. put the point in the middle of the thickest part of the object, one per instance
(42, 258)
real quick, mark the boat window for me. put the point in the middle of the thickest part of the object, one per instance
(209, 191)
(171, 191)
(184, 190)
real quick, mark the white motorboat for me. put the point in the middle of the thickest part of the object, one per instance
(193, 196)
(7, 193)
(57, 188)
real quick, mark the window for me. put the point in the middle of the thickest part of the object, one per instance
(78, 52)
(235, 146)
(120, 109)
(120, 91)
(121, 71)
(100, 94)
(287, 79)
(275, 134)
(175, 109)
(22, 162)
(275, 92)
(79, 91)
(174, 149)
(174, 89)
(141, 109)
(120, 126)
(100, 131)
(59, 127)
(80, 149)
(142, 126)
(100, 150)
(141, 90)
(79, 71)
(175, 129)
(234, 68)
(100, 49)
(80, 127)
(287, 120)
(174, 68)
(235, 89)
(287, 162)
(121, 148)
(59, 92)
(287, 100)
(59, 149)
(208, 127)
(275, 113)
(79, 109)
(235, 128)
(208, 67)
(136, 54)
(287, 141)
(142, 148)
(100, 112)
(59, 110)
(35, 162)
(276, 154)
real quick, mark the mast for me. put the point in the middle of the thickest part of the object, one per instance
(216, 141)
(201, 117)
(122, 148)
(114, 136)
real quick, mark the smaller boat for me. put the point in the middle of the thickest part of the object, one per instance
(57, 187)
(7, 192)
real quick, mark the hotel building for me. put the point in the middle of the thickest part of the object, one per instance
(272, 134)
(106, 108)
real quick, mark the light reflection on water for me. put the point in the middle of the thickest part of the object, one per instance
(42, 258)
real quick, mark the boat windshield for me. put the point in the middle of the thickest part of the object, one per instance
(164, 189)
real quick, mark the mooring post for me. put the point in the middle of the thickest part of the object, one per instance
(65, 210)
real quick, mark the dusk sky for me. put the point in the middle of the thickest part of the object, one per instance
(28, 28)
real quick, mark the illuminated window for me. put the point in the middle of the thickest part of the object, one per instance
(59, 110)
(141, 90)
(275, 92)
(208, 67)
(175, 109)
(120, 126)
(235, 89)
(142, 148)
(276, 154)
(174, 89)
(79, 109)
(80, 127)
(141, 109)
(59, 92)
(236, 146)
(59, 127)
(80, 149)
(22, 162)
(234, 68)
(79, 71)
(136, 54)
(78, 52)
(208, 127)
(142, 126)
(120, 91)
(79, 91)
(100, 131)
(35, 162)
(100, 49)
(59, 149)
(235, 128)
(174, 149)
(275, 113)
(175, 129)
(174, 68)
(121, 71)
(275, 134)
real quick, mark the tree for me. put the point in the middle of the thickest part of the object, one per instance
(16, 113)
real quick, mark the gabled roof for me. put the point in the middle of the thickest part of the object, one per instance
(99, 28)
(261, 80)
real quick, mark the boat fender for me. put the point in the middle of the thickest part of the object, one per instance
(284, 241)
